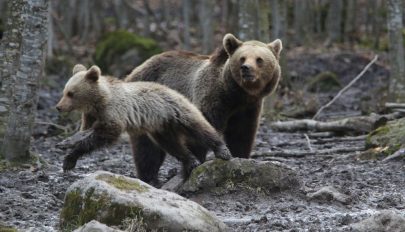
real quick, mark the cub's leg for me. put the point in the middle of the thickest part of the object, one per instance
(173, 143)
(103, 134)
(148, 158)
(241, 130)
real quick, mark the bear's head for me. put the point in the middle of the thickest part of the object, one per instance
(83, 91)
(254, 65)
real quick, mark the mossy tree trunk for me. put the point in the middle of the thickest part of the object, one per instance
(25, 48)
(335, 21)
(396, 51)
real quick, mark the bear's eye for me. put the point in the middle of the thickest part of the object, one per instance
(259, 60)
(70, 94)
(242, 59)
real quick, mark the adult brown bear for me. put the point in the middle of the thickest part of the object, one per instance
(228, 87)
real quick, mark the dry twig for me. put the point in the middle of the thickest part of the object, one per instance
(346, 87)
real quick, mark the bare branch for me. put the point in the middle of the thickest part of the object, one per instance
(346, 87)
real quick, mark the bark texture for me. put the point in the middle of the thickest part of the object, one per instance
(396, 51)
(25, 49)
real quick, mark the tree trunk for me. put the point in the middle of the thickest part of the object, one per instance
(186, 24)
(25, 70)
(279, 19)
(206, 22)
(350, 21)
(247, 22)
(396, 51)
(263, 20)
(335, 21)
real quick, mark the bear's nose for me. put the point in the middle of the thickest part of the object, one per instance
(58, 108)
(245, 68)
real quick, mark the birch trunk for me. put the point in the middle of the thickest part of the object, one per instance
(396, 51)
(25, 68)
(206, 15)
(247, 22)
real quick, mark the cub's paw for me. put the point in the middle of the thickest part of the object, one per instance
(69, 163)
(223, 153)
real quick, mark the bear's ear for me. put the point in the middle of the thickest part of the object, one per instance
(93, 73)
(78, 67)
(276, 46)
(231, 43)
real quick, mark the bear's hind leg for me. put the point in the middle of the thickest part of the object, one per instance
(174, 145)
(148, 158)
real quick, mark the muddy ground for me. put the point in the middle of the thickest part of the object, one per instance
(31, 198)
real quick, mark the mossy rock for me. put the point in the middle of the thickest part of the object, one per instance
(221, 176)
(324, 82)
(33, 161)
(121, 51)
(389, 138)
(112, 199)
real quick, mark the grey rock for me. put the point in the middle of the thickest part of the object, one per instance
(95, 226)
(111, 198)
(220, 175)
(329, 194)
(383, 221)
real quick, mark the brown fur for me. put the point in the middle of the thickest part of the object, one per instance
(110, 107)
(228, 87)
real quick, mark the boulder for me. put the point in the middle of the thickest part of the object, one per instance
(220, 176)
(95, 226)
(111, 199)
(389, 138)
(383, 221)
(329, 194)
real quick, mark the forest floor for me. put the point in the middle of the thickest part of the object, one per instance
(33, 197)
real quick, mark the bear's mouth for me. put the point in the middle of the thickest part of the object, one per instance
(247, 77)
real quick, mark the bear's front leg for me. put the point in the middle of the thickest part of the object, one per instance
(241, 130)
(102, 134)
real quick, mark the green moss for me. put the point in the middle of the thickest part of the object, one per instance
(391, 137)
(324, 82)
(33, 161)
(7, 229)
(115, 44)
(122, 183)
(81, 208)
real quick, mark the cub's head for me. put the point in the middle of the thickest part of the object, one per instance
(82, 91)
(254, 65)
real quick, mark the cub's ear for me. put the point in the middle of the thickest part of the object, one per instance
(78, 67)
(93, 73)
(231, 43)
(276, 46)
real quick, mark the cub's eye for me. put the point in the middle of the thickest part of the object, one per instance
(70, 94)
(242, 59)
(259, 60)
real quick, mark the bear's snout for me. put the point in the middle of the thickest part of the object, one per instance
(247, 72)
(58, 108)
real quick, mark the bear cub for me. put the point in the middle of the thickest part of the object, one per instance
(110, 107)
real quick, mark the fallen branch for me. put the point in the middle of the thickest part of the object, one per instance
(64, 128)
(392, 105)
(308, 142)
(346, 87)
(299, 154)
(397, 154)
(360, 124)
